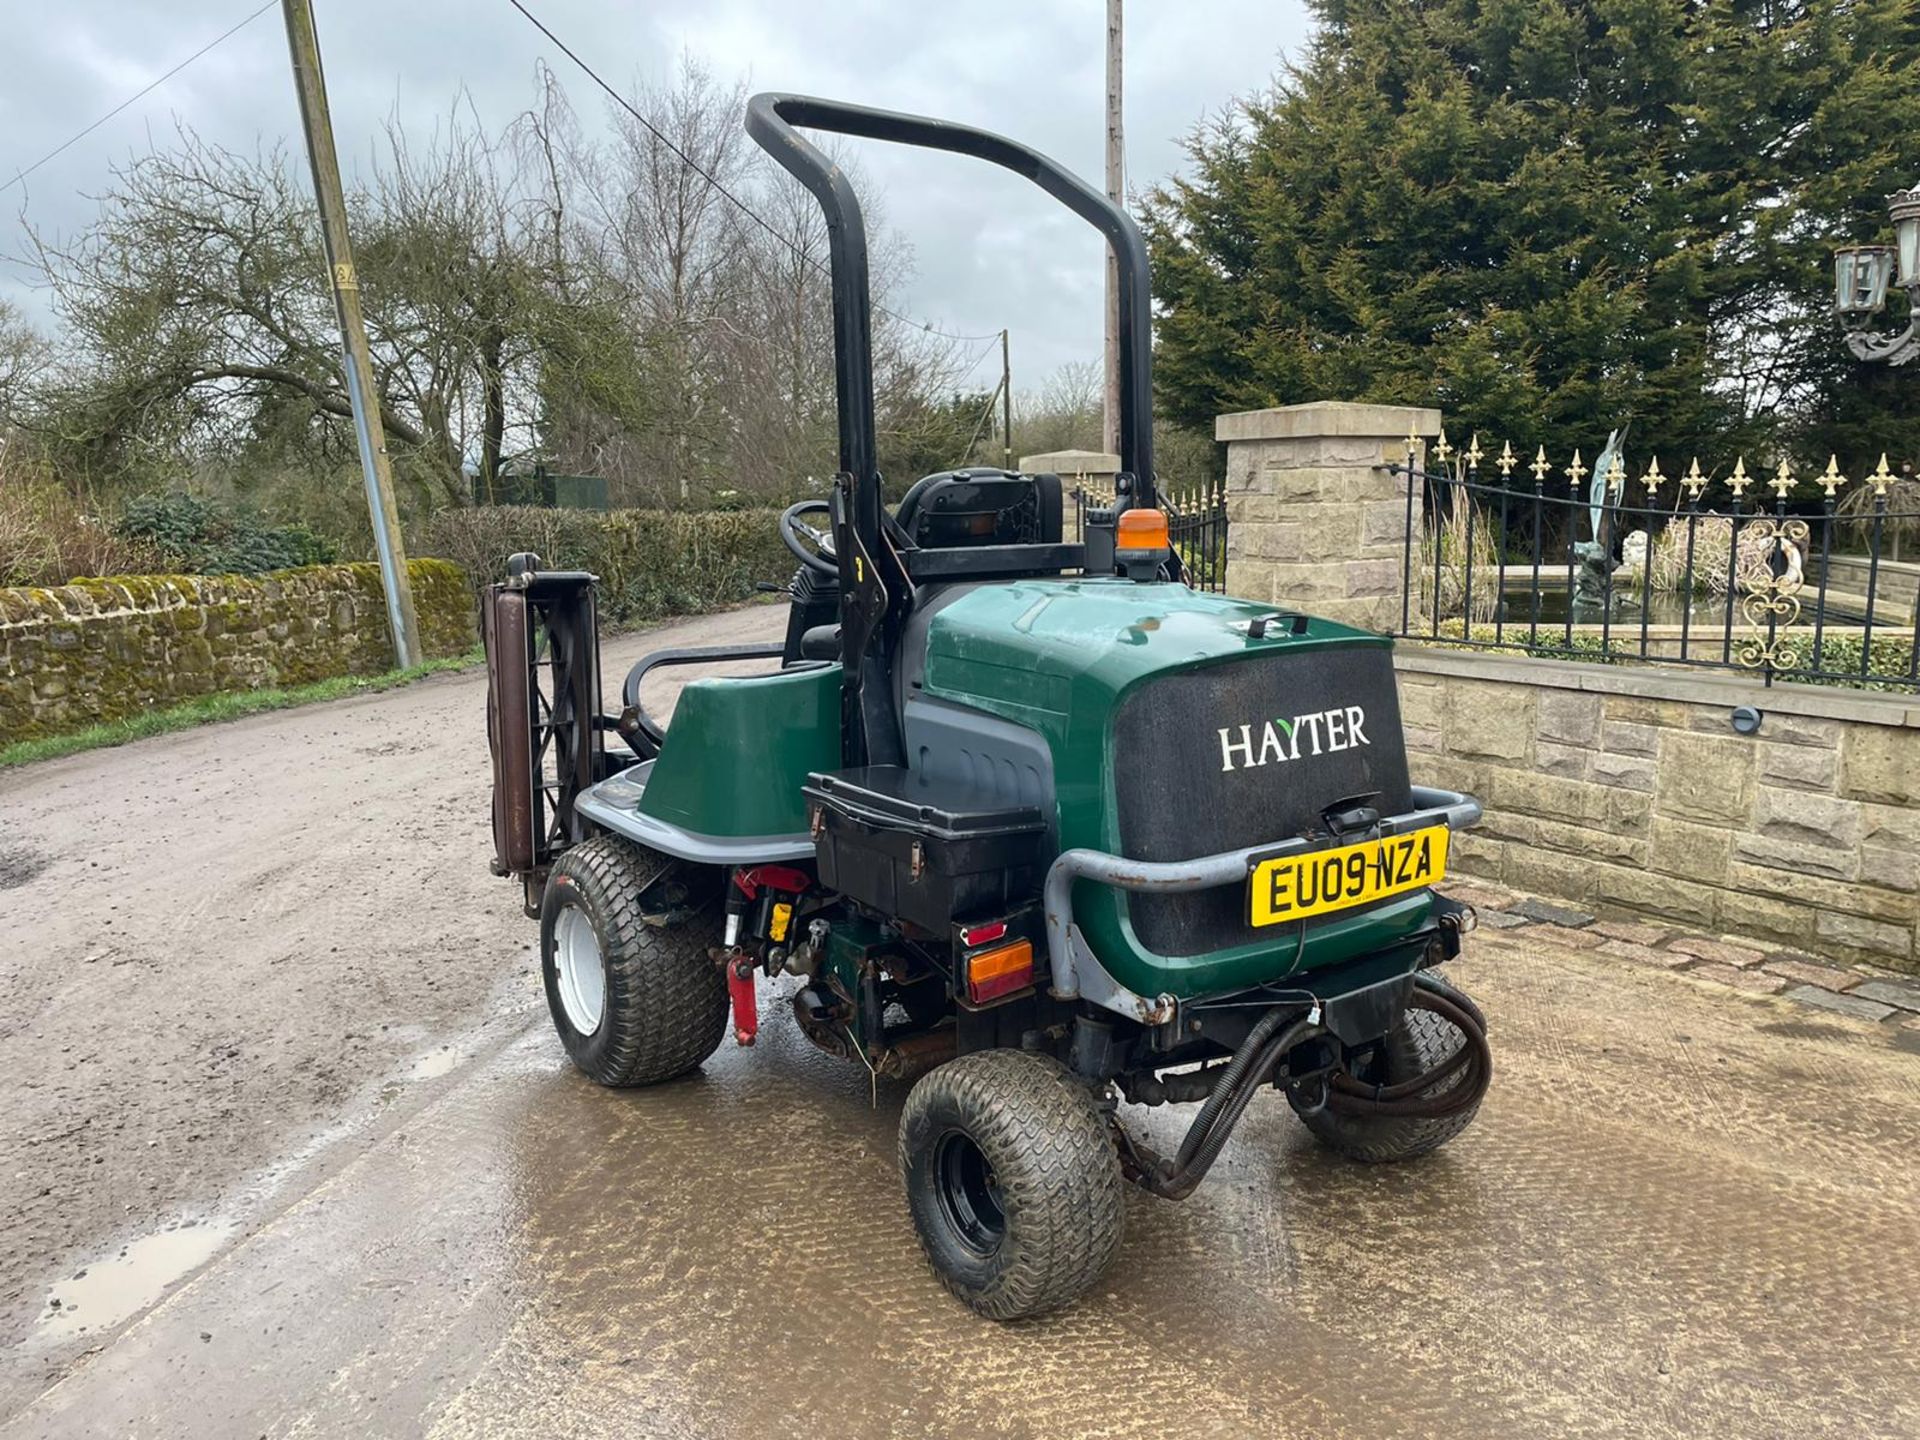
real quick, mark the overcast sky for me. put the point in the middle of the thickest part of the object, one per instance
(988, 248)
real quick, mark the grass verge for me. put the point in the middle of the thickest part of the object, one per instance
(209, 709)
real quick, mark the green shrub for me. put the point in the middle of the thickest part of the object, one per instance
(1892, 655)
(196, 536)
(651, 563)
(1839, 654)
(1548, 644)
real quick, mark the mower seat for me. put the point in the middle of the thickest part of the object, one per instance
(820, 642)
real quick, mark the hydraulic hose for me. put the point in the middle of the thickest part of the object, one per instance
(1253, 1063)
(1228, 1080)
(1267, 1046)
(1411, 1099)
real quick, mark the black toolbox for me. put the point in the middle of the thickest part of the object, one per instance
(932, 854)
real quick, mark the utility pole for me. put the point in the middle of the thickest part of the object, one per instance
(1116, 185)
(1006, 405)
(303, 41)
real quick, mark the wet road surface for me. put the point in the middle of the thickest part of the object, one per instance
(226, 949)
(1681, 1212)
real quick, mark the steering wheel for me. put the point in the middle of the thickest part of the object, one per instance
(812, 546)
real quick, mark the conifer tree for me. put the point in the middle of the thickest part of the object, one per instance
(1548, 217)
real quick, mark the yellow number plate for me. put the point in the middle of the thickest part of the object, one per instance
(1296, 887)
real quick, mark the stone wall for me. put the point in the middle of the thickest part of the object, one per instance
(1628, 788)
(100, 650)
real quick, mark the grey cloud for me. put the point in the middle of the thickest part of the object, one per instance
(988, 249)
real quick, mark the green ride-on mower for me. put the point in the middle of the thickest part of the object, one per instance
(1029, 820)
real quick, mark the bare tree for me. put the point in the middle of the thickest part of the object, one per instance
(532, 295)
(197, 310)
(1065, 414)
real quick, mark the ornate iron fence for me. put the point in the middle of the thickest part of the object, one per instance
(1785, 588)
(1196, 526)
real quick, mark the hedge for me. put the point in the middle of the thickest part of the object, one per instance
(651, 563)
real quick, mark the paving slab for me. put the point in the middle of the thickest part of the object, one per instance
(1534, 908)
(1812, 972)
(1718, 951)
(1756, 982)
(1503, 920)
(1900, 994)
(1842, 1004)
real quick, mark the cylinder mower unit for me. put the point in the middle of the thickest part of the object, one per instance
(1027, 821)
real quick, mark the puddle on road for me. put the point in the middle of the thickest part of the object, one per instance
(443, 1060)
(108, 1291)
(436, 1063)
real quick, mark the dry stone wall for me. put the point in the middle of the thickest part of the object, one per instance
(100, 650)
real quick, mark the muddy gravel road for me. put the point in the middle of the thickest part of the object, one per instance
(223, 945)
(280, 1083)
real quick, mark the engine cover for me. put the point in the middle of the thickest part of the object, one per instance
(1247, 753)
(1177, 725)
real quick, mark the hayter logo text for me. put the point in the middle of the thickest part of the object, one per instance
(1322, 732)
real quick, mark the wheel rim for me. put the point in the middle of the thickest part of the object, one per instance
(580, 969)
(969, 1193)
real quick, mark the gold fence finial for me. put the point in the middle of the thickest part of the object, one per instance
(1693, 479)
(1576, 472)
(1881, 478)
(1782, 482)
(1473, 454)
(1413, 438)
(1507, 458)
(1540, 467)
(1441, 448)
(1833, 479)
(1653, 479)
(1617, 475)
(1739, 480)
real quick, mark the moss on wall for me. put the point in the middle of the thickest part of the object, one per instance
(100, 650)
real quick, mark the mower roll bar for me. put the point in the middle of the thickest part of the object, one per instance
(771, 121)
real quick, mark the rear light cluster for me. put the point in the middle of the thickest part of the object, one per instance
(995, 966)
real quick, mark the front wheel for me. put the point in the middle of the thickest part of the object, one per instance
(634, 1004)
(1012, 1181)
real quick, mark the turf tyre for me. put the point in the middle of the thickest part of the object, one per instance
(664, 1002)
(1051, 1168)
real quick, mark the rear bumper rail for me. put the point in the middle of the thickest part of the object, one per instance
(1077, 972)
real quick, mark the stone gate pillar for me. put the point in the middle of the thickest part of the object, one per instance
(1314, 519)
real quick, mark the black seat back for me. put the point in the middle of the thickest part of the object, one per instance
(981, 506)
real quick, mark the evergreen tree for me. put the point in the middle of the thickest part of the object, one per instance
(1549, 217)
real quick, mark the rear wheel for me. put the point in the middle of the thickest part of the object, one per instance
(1012, 1181)
(633, 1003)
(1419, 1041)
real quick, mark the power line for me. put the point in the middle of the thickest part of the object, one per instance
(712, 180)
(20, 175)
